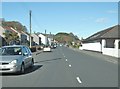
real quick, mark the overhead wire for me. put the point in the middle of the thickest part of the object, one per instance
(34, 20)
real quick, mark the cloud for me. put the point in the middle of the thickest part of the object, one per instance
(101, 20)
(112, 11)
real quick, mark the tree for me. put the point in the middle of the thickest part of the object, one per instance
(11, 37)
(15, 24)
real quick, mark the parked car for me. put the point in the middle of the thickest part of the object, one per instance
(53, 46)
(47, 49)
(15, 59)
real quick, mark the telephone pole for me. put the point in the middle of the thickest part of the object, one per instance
(45, 31)
(30, 27)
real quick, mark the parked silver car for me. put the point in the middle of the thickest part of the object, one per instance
(15, 59)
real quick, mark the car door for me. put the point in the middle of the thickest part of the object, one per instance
(29, 56)
(26, 57)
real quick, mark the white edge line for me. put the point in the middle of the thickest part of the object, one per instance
(78, 79)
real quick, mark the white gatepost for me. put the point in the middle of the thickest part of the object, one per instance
(116, 44)
(117, 47)
(103, 44)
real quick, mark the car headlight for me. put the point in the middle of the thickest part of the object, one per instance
(13, 62)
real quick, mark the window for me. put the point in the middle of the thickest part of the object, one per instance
(110, 43)
(28, 50)
(24, 50)
(11, 51)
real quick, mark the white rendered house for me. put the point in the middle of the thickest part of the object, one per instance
(106, 41)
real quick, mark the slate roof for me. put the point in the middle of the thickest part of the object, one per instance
(9, 28)
(112, 32)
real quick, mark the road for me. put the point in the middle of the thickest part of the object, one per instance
(66, 67)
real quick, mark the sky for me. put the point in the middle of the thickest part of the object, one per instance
(81, 18)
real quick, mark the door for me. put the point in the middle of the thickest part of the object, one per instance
(29, 56)
(26, 57)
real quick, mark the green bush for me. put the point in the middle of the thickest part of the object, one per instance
(75, 46)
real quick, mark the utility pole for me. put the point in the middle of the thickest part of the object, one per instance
(30, 27)
(45, 31)
(46, 42)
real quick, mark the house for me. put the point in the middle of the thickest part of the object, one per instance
(50, 38)
(106, 41)
(25, 38)
(36, 39)
(2, 40)
(4, 30)
(22, 36)
(44, 39)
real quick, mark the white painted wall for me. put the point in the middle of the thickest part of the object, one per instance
(118, 53)
(91, 46)
(50, 41)
(2, 30)
(111, 52)
(35, 38)
(43, 39)
(115, 52)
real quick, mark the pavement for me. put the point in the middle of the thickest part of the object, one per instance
(97, 55)
(37, 52)
(66, 67)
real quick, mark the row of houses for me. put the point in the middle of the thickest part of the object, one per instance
(106, 42)
(24, 37)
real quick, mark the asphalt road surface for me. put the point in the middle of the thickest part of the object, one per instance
(66, 67)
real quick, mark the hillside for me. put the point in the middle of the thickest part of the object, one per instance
(66, 38)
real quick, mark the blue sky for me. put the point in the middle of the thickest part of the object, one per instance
(81, 18)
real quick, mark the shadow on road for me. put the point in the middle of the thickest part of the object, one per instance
(48, 60)
(36, 67)
(27, 71)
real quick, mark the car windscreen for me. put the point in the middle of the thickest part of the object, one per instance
(11, 51)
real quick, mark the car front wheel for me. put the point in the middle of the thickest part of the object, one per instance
(22, 71)
(32, 63)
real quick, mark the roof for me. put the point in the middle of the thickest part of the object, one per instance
(48, 35)
(34, 34)
(9, 28)
(112, 32)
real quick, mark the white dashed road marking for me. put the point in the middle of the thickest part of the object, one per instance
(69, 65)
(66, 60)
(78, 79)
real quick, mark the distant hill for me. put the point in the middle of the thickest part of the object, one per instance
(66, 38)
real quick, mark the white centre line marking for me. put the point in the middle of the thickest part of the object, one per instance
(78, 79)
(66, 60)
(69, 65)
